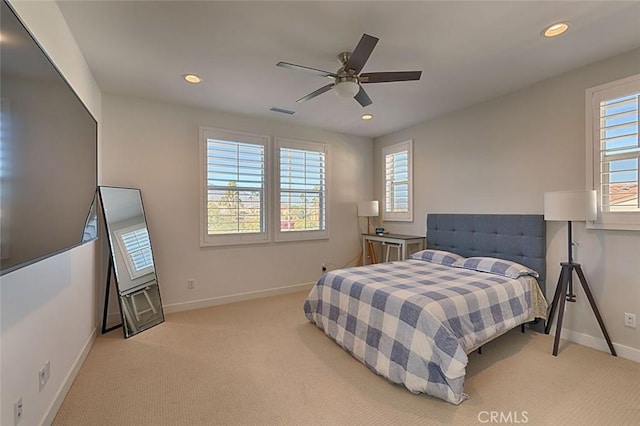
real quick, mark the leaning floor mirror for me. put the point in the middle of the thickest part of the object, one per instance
(130, 260)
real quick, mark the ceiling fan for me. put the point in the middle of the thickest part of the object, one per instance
(347, 80)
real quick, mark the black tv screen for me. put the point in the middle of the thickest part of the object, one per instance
(48, 154)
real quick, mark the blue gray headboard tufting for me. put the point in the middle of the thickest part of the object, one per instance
(517, 237)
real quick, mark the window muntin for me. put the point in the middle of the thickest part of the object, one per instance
(398, 185)
(613, 152)
(235, 195)
(302, 190)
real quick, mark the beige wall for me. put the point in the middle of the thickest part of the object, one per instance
(155, 146)
(49, 309)
(501, 156)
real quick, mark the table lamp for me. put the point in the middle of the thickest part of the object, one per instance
(368, 209)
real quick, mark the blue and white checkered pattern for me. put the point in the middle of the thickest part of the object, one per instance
(414, 322)
(495, 266)
(437, 256)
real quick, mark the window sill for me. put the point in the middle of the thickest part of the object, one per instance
(232, 241)
(614, 226)
(301, 236)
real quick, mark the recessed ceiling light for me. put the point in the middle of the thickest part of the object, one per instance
(556, 29)
(366, 116)
(192, 78)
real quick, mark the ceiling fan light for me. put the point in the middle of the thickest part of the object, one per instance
(346, 89)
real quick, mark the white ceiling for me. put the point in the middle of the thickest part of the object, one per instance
(468, 51)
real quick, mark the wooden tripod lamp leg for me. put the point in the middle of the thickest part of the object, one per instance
(566, 272)
(594, 308)
(560, 298)
(372, 252)
(556, 299)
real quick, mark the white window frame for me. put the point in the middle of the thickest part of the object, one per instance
(133, 274)
(387, 214)
(303, 234)
(594, 95)
(237, 238)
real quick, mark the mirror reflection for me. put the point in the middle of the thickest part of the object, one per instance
(131, 259)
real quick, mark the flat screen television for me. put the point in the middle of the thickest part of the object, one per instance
(48, 154)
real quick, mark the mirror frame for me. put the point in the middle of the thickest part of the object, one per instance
(113, 271)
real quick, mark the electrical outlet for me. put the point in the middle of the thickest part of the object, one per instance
(191, 284)
(43, 374)
(17, 411)
(630, 320)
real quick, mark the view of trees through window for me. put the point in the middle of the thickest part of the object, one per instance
(234, 210)
(236, 186)
(301, 190)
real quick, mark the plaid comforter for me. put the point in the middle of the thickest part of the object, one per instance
(414, 322)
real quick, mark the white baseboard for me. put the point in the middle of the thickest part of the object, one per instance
(600, 344)
(68, 380)
(223, 300)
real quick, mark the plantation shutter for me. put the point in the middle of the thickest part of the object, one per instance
(619, 154)
(397, 169)
(138, 248)
(397, 182)
(302, 190)
(235, 186)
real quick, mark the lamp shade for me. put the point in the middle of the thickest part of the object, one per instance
(368, 208)
(570, 205)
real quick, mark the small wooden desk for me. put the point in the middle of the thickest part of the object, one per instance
(402, 240)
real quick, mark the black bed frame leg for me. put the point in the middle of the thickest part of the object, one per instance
(480, 350)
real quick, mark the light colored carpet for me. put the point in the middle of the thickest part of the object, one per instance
(262, 363)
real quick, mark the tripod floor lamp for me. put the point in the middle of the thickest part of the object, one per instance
(571, 206)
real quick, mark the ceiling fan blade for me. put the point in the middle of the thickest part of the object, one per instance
(361, 53)
(362, 98)
(384, 77)
(318, 92)
(315, 71)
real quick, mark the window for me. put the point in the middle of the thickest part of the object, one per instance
(135, 247)
(613, 152)
(302, 190)
(234, 207)
(398, 182)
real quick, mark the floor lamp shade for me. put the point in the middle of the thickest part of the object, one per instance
(368, 208)
(570, 205)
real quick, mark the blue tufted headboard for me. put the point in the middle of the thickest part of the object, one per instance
(517, 237)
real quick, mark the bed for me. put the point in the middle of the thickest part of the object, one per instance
(415, 321)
